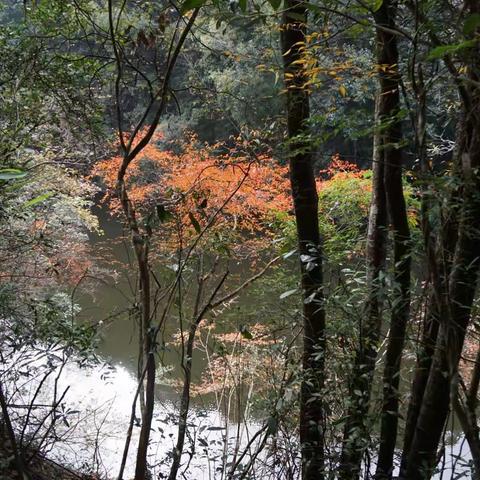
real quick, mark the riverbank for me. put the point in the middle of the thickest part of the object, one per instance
(38, 468)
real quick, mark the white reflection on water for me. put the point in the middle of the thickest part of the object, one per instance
(97, 410)
(101, 400)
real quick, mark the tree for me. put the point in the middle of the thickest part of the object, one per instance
(454, 307)
(131, 146)
(305, 201)
(356, 425)
(391, 149)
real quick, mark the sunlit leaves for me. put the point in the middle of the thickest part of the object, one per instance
(191, 183)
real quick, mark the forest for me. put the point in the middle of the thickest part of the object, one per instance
(239, 239)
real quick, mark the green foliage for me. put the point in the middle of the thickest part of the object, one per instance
(472, 22)
(343, 206)
(444, 50)
(55, 323)
(11, 174)
(343, 213)
(191, 5)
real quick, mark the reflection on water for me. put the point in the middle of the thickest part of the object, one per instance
(103, 398)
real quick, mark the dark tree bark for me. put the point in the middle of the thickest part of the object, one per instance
(455, 319)
(391, 145)
(455, 314)
(356, 427)
(439, 253)
(305, 200)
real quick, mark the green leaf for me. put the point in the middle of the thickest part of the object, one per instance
(243, 5)
(39, 199)
(11, 174)
(194, 222)
(375, 5)
(275, 4)
(289, 254)
(443, 50)
(191, 5)
(471, 23)
(245, 332)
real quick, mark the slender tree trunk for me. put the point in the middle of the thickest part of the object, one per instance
(441, 387)
(389, 78)
(356, 427)
(141, 468)
(430, 321)
(440, 256)
(422, 371)
(140, 245)
(305, 200)
(462, 285)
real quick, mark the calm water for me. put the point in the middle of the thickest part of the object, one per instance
(101, 395)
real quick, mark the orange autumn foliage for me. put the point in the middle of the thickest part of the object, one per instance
(189, 179)
(192, 184)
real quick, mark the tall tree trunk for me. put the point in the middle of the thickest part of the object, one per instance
(305, 200)
(389, 78)
(441, 387)
(440, 256)
(356, 427)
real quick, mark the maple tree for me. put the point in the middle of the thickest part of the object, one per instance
(187, 183)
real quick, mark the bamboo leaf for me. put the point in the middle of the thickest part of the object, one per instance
(39, 199)
(443, 50)
(275, 4)
(471, 23)
(11, 173)
(287, 293)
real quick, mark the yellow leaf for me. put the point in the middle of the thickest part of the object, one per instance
(342, 90)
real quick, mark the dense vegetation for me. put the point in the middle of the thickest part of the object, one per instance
(294, 189)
